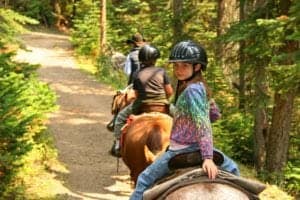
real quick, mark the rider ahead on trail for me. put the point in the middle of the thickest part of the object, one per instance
(191, 131)
(131, 66)
(132, 63)
(152, 89)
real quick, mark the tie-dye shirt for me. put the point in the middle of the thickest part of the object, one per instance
(191, 120)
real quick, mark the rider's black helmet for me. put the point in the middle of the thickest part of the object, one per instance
(190, 52)
(148, 53)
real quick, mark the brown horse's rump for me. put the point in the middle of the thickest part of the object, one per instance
(146, 137)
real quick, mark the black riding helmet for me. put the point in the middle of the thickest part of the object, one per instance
(190, 52)
(148, 54)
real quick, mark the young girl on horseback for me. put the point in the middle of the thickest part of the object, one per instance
(152, 90)
(191, 124)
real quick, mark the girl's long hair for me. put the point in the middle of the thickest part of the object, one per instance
(198, 77)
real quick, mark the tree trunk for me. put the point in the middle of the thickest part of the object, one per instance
(228, 55)
(74, 9)
(228, 13)
(102, 23)
(278, 140)
(242, 60)
(260, 91)
(242, 77)
(260, 122)
(61, 21)
(4, 3)
(177, 20)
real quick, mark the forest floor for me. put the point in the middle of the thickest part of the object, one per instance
(78, 127)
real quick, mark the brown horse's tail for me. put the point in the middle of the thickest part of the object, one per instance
(150, 157)
(156, 143)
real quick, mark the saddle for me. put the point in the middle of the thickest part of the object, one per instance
(193, 159)
(146, 108)
(191, 176)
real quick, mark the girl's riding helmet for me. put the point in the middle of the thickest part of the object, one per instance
(190, 52)
(148, 53)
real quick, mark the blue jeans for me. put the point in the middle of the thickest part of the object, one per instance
(159, 168)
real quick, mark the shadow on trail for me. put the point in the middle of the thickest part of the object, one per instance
(79, 130)
(37, 40)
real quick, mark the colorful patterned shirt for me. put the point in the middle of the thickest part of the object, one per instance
(191, 120)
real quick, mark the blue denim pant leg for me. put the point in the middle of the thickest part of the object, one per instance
(229, 165)
(157, 170)
(120, 120)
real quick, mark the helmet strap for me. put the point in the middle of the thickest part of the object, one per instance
(182, 84)
(193, 75)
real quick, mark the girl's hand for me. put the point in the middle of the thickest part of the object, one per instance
(210, 168)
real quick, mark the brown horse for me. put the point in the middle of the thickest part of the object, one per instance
(146, 136)
(121, 99)
(144, 139)
(189, 184)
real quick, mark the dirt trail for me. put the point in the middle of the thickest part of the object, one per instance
(79, 125)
